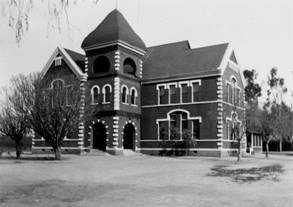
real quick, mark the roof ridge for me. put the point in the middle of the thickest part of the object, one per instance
(170, 43)
(226, 43)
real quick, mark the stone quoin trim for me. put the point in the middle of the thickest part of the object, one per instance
(117, 60)
(81, 114)
(115, 131)
(140, 68)
(116, 93)
(86, 63)
(220, 112)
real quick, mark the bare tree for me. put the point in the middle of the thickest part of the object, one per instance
(18, 14)
(13, 123)
(53, 112)
(56, 112)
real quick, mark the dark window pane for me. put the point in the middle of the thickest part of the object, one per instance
(172, 94)
(195, 92)
(196, 129)
(107, 94)
(184, 89)
(163, 130)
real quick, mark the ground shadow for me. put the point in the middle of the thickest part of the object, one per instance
(249, 175)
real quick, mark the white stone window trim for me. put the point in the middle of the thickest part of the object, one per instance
(189, 118)
(93, 95)
(57, 61)
(169, 86)
(192, 89)
(180, 86)
(158, 90)
(135, 96)
(126, 94)
(104, 93)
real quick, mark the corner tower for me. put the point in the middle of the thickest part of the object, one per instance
(114, 57)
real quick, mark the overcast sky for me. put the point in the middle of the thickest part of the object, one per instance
(261, 31)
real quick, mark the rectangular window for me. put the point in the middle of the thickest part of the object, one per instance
(228, 130)
(184, 93)
(162, 95)
(163, 130)
(196, 129)
(175, 126)
(184, 121)
(230, 93)
(195, 88)
(58, 61)
(172, 94)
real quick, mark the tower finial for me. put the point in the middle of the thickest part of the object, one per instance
(117, 4)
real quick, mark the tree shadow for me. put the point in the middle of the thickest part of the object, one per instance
(249, 175)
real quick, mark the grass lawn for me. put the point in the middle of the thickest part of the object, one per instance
(143, 180)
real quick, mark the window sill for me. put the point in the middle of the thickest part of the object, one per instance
(106, 102)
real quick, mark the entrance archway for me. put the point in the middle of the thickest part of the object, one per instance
(129, 137)
(99, 136)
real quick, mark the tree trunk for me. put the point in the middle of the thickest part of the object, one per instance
(280, 145)
(267, 149)
(239, 150)
(57, 152)
(18, 149)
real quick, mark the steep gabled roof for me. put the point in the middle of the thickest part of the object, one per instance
(113, 28)
(69, 61)
(77, 57)
(177, 59)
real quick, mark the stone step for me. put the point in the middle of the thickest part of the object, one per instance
(96, 152)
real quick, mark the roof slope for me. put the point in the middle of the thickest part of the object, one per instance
(114, 27)
(177, 59)
(77, 57)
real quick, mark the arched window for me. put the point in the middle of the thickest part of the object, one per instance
(129, 66)
(124, 93)
(133, 95)
(59, 93)
(95, 91)
(101, 65)
(179, 126)
(107, 90)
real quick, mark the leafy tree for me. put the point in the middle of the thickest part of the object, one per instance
(252, 89)
(276, 105)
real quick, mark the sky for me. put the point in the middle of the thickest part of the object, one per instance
(261, 31)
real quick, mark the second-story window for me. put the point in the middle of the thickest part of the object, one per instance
(133, 95)
(184, 93)
(124, 94)
(95, 94)
(107, 89)
(195, 91)
(162, 94)
(172, 93)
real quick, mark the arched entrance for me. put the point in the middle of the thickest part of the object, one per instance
(129, 137)
(99, 136)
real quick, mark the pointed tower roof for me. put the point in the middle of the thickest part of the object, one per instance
(112, 29)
